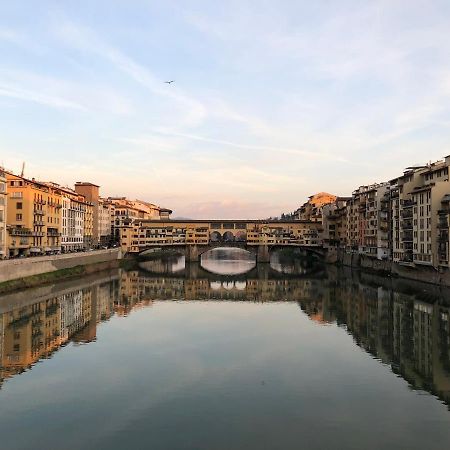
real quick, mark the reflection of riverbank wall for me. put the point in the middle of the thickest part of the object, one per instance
(26, 272)
(424, 273)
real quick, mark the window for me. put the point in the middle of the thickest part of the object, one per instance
(19, 205)
(19, 217)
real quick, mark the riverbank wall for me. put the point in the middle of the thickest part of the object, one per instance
(32, 271)
(422, 273)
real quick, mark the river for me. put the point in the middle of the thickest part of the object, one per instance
(226, 354)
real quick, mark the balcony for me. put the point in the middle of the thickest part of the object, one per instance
(53, 233)
(407, 236)
(19, 232)
(39, 211)
(407, 213)
(407, 224)
(39, 223)
(408, 203)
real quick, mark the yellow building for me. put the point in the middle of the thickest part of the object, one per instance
(3, 210)
(73, 217)
(33, 217)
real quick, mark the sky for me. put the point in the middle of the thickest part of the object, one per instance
(272, 100)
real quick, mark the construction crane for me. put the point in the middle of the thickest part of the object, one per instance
(23, 169)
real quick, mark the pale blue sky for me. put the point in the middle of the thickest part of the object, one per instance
(272, 100)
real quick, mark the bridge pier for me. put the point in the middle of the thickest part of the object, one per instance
(191, 253)
(263, 255)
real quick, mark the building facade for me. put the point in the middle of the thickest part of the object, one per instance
(105, 218)
(91, 193)
(72, 221)
(33, 217)
(3, 211)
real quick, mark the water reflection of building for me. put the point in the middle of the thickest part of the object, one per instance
(33, 331)
(403, 331)
(409, 334)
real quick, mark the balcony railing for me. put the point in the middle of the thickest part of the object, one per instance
(407, 224)
(408, 203)
(19, 232)
(407, 236)
(407, 213)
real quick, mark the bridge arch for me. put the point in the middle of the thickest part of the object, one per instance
(215, 236)
(228, 236)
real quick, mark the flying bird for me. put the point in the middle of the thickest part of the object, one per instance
(168, 82)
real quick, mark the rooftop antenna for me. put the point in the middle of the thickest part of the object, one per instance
(23, 169)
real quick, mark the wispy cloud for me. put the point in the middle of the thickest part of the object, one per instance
(35, 97)
(87, 40)
(256, 148)
(269, 104)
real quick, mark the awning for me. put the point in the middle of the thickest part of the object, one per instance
(35, 250)
(47, 249)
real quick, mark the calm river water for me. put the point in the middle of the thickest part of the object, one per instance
(226, 355)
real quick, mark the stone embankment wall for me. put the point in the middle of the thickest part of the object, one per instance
(421, 273)
(21, 268)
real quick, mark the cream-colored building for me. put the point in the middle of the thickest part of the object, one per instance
(417, 204)
(3, 211)
(427, 202)
(105, 217)
(73, 217)
(126, 212)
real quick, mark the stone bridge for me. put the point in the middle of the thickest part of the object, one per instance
(193, 238)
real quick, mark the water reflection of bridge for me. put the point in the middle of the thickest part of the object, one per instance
(255, 271)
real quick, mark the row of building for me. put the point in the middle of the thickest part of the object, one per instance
(44, 218)
(404, 220)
